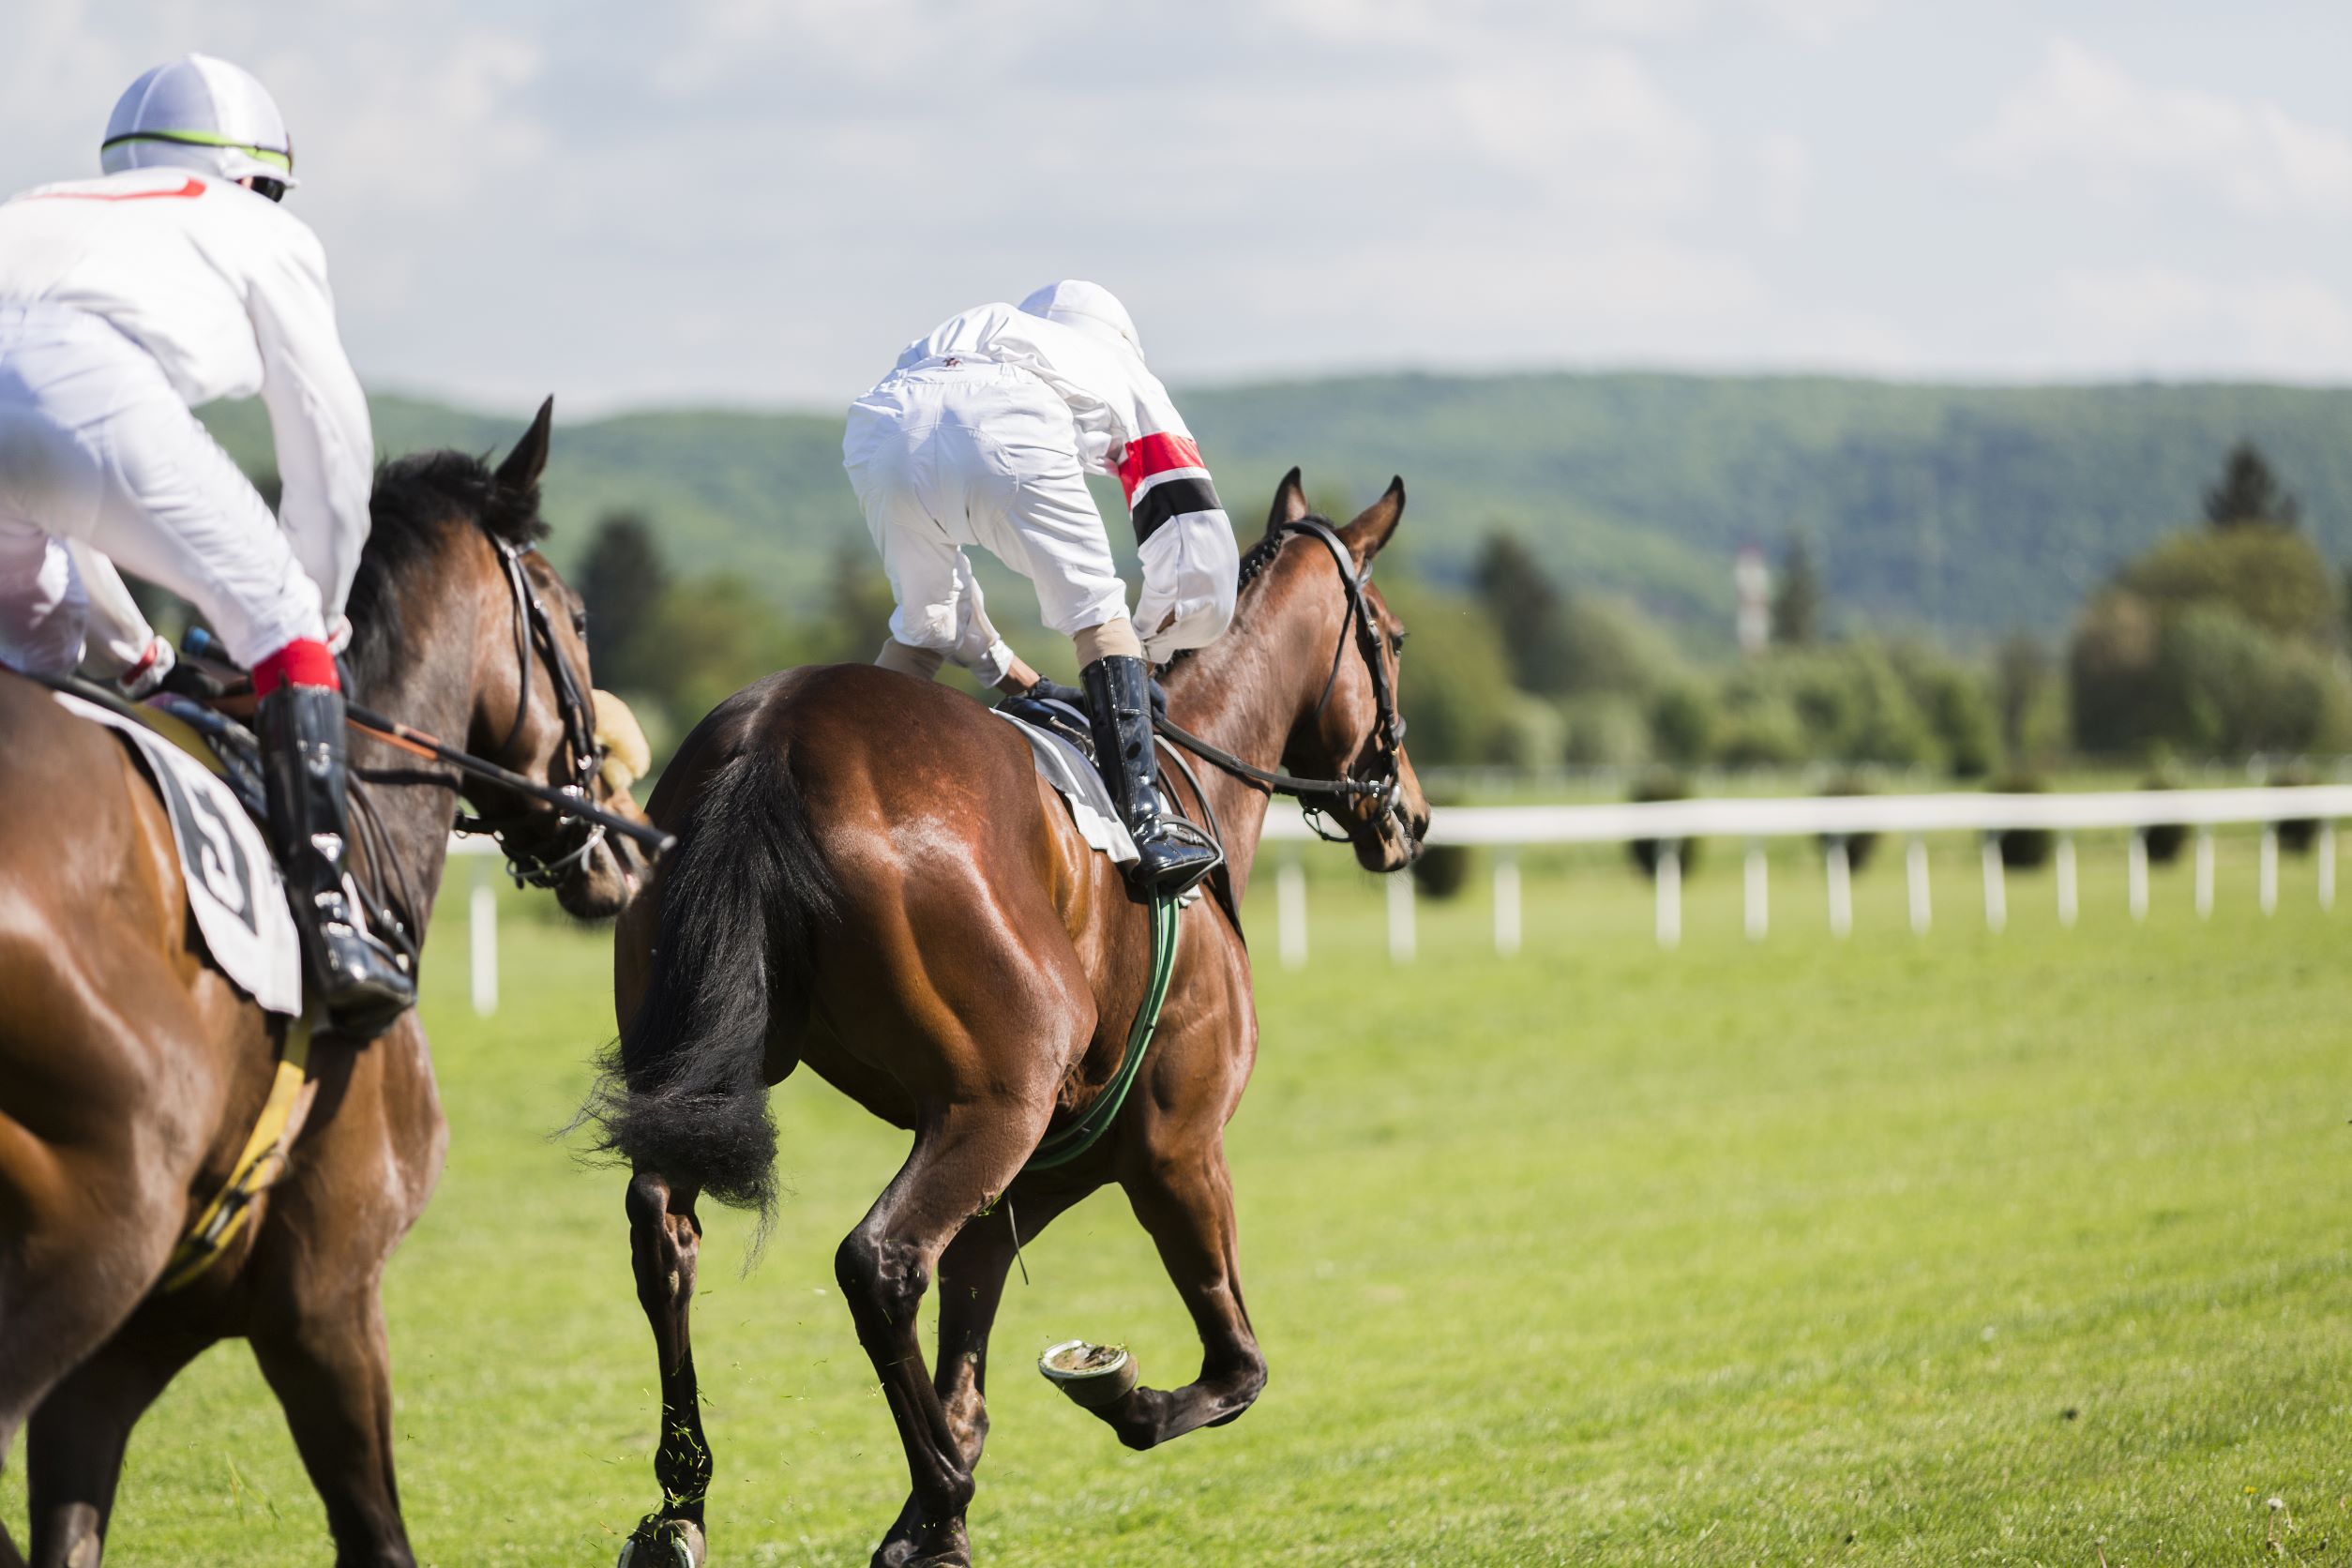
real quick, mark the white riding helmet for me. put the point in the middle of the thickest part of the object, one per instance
(198, 112)
(1090, 308)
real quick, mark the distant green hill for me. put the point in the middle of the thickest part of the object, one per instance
(1969, 510)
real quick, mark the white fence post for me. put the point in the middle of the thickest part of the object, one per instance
(1290, 912)
(1506, 904)
(1995, 888)
(1400, 917)
(2266, 883)
(1839, 867)
(1669, 892)
(2326, 866)
(2205, 873)
(2067, 907)
(1915, 874)
(481, 932)
(1759, 900)
(2135, 861)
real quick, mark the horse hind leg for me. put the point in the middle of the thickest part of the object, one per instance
(1186, 1205)
(665, 1248)
(964, 1158)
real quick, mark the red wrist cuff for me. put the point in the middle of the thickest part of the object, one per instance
(301, 662)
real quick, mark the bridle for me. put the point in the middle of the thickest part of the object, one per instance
(529, 867)
(1383, 782)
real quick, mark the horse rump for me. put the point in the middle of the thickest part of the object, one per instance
(684, 1089)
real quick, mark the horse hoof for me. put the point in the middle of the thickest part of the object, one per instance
(1094, 1375)
(660, 1541)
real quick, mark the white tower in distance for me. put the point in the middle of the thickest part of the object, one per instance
(1754, 581)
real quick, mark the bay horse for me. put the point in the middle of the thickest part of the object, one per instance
(131, 1072)
(871, 879)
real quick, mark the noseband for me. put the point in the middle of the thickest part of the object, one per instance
(1381, 784)
(532, 629)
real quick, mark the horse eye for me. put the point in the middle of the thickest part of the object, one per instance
(1396, 642)
(580, 620)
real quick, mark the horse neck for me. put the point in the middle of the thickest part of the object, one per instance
(1246, 693)
(433, 690)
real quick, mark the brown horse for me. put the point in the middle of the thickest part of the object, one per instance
(872, 879)
(132, 1071)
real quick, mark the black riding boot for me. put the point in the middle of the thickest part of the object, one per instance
(362, 986)
(1119, 703)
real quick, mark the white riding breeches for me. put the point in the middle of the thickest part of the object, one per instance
(948, 456)
(97, 450)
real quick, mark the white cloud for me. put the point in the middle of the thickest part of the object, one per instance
(759, 199)
(426, 128)
(1782, 167)
(2084, 118)
(1586, 123)
(2280, 325)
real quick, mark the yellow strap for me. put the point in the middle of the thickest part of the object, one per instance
(263, 1161)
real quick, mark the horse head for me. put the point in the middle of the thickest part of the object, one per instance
(1352, 729)
(458, 612)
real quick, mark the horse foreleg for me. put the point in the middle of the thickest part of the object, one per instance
(971, 1288)
(74, 1445)
(87, 1241)
(1188, 1207)
(665, 1245)
(330, 1364)
(960, 1165)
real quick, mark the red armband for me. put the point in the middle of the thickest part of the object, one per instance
(302, 662)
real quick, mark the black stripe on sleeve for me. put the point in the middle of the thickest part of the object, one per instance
(1173, 498)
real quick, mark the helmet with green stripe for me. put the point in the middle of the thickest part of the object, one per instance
(198, 112)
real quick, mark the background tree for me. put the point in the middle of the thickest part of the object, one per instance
(2250, 492)
(1526, 613)
(2021, 688)
(2268, 577)
(1797, 597)
(622, 579)
(858, 604)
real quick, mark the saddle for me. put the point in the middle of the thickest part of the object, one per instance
(1062, 711)
(1063, 721)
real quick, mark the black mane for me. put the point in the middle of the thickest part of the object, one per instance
(417, 502)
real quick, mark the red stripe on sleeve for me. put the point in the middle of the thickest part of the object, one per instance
(1155, 454)
(194, 187)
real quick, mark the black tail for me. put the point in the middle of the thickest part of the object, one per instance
(743, 897)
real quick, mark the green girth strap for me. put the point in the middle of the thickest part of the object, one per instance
(1081, 1134)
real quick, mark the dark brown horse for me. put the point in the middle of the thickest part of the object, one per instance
(132, 1071)
(872, 879)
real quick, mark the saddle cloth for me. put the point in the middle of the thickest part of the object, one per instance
(1072, 773)
(234, 888)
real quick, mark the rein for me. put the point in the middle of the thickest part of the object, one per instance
(533, 631)
(1389, 734)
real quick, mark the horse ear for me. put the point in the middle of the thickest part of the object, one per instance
(1290, 502)
(519, 473)
(1371, 530)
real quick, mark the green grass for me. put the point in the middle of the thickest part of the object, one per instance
(1970, 1249)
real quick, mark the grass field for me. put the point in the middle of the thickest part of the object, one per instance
(1970, 1249)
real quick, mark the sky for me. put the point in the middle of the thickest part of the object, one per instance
(755, 203)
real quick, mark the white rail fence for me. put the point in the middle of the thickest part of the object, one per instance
(1833, 820)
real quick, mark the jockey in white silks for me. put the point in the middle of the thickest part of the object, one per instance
(126, 301)
(983, 434)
